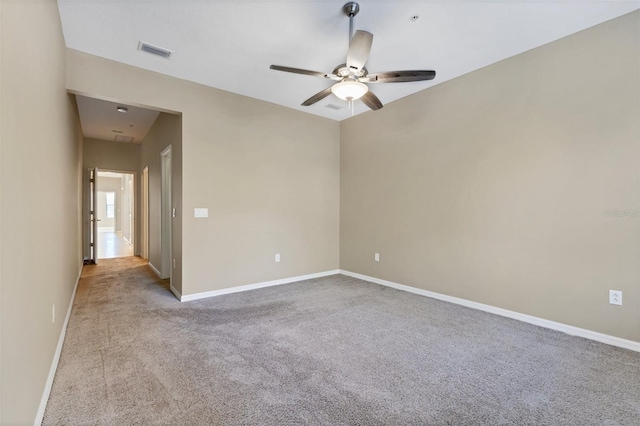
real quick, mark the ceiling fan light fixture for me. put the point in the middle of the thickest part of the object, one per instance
(349, 90)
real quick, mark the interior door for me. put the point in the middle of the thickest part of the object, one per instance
(131, 211)
(93, 216)
(145, 213)
(165, 215)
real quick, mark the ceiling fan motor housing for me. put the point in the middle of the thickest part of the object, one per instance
(343, 70)
(351, 9)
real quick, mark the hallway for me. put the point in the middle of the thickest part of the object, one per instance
(104, 351)
(111, 245)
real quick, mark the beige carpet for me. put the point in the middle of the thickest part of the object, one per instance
(330, 351)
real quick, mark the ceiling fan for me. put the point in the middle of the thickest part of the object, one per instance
(352, 76)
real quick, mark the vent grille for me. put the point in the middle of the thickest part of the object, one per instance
(334, 106)
(121, 138)
(154, 50)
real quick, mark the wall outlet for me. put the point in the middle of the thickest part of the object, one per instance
(615, 297)
(278, 257)
(53, 313)
(376, 257)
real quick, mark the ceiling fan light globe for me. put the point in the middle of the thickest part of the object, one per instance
(349, 90)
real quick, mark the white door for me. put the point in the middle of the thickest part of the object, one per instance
(132, 209)
(144, 252)
(165, 221)
(91, 217)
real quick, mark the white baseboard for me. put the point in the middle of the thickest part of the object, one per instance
(154, 269)
(569, 329)
(56, 358)
(214, 293)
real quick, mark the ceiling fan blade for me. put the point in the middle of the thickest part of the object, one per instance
(398, 76)
(317, 97)
(359, 49)
(297, 71)
(371, 100)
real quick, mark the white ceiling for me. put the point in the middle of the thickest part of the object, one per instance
(230, 44)
(101, 120)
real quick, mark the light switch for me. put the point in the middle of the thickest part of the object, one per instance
(200, 212)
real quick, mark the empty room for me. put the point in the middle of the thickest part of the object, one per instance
(320, 212)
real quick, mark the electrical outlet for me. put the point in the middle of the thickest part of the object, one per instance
(277, 257)
(615, 297)
(376, 257)
(53, 313)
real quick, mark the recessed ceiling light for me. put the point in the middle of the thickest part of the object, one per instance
(122, 109)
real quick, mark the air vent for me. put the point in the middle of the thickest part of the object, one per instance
(120, 138)
(334, 106)
(154, 50)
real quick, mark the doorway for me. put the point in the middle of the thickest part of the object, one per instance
(115, 207)
(144, 226)
(166, 212)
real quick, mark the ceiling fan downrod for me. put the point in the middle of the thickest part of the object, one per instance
(351, 9)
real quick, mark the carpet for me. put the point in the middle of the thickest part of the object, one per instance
(326, 351)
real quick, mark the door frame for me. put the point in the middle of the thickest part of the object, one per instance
(135, 203)
(144, 225)
(90, 231)
(166, 267)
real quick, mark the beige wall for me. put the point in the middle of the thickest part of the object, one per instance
(165, 132)
(114, 156)
(493, 187)
(268, 175)
(40, 158)
(109, 155)
(2, 343)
